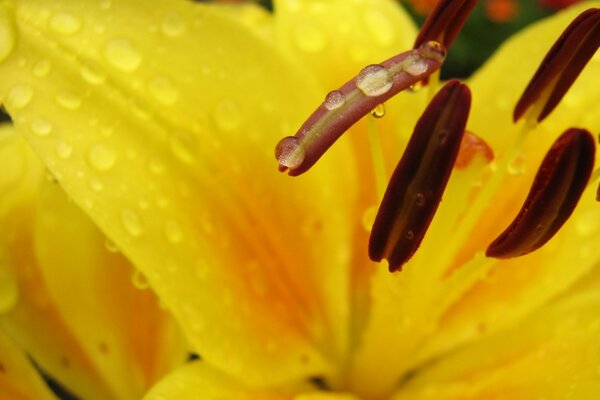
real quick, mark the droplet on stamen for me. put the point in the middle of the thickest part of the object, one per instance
(374, 80)
(290, 152)
(334, 100)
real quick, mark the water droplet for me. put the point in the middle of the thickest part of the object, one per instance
(420, 199)
(156, 166)
(589, 222)
(374, 80)
(379, 111)
(183, 145)
(8, 32)
(227, 115)
(172, 25)
(101, 157)
(121, 54)
(334, 100)
(368, 218)
(64, 150)
(41, 68)
(68, 100)
(163, 90)
(416, 88)
(173, 231)
(517, 165)
(379, 26)
(290, 152)
(410, 235)
(309, 38)
(41, 126)
(415, 65)
(19, 96)
(64, 23)
(96, 185)
(92, 75)
(110, 246)
(139, 280)
(131, 222)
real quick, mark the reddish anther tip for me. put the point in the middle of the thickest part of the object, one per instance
(556, 190)
(445, 21)
(416, 187)
(343, 107)
(562, 65)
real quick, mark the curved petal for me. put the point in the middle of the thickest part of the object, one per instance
(18, 378)
(166, 139)
(200, 381)
(75, 310)
(552, 354)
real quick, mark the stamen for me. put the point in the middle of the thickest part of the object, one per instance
(417, 185)
(556, 189)
(342, 108)
(561, 66)
(445, 21)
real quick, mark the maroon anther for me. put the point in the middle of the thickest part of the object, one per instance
(562, 65)
(342, 108)
(556, 189)
(416, 187)
(445, 21)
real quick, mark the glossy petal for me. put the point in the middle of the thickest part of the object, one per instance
(165, 140)
(201, 381)
(18, 379)
(553, 354)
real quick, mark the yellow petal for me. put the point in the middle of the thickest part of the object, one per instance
(18, 378)
(75, 309)
(200, 381)
(166, 140)
(553, 354)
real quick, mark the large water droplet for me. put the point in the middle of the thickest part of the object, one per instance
(68, 100)
(309, 37)
(227, 115)
(65, 23)
(131, 222)
(163, 90)
(101, 157)
(8, 32)
(374, 80)
(334, 100)
(121, 54)
(415, 65)
(64, 150)
(172, 25)
(290, 152)
(173, 231)
(41, 126)
(19, 96)
(41, 68)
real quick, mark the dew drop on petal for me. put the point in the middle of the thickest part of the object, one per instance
(172, 25)
(19, 96)
(139, 280)
(368, 218)
(65, 23)
(374, 80)
(131, 222)
(121, 54)
(289, 152)
(92, 75)
(96, 185)
(64, 150)
(516, 165)
(101, 157)
(68, 100)
(41, 68)
(334, 100)
(156, 166)
(163, 90)
(379, 111)
(227, 115)
(173, 231)
(41, 126)
(8, 32)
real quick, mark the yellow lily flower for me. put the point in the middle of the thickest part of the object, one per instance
(156, 122)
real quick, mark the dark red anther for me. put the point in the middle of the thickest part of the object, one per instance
(556, 189)
(416, 187)
(445, 21)
(342, 108)
(562, 65)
